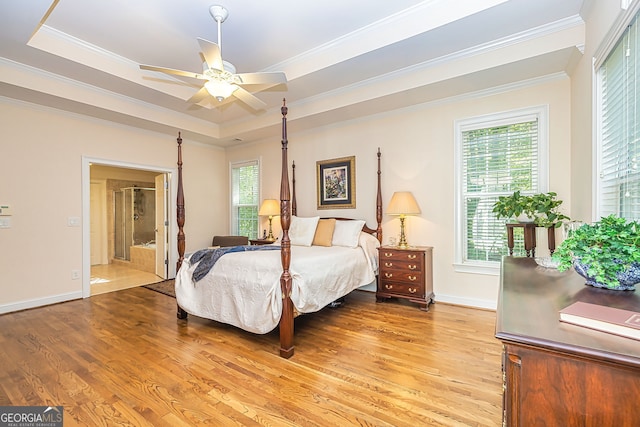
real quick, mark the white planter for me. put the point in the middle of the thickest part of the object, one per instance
(524, 218)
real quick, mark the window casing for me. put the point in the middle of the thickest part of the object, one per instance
(495, 156)
(245, 196)
(618, 148)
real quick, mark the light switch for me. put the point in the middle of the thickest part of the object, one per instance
(73, 221)
(5, 222)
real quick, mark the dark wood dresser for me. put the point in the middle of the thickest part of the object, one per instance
(557, 374)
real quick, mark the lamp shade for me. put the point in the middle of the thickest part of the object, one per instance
(403, 203)
(269, 207)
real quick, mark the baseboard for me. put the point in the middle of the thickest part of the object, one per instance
(467, 302)
(449, 299)
(40, 302)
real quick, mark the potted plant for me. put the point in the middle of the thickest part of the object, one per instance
(541, 209)
(606, 253)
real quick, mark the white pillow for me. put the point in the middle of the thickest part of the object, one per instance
(347, 233)
(302, 230)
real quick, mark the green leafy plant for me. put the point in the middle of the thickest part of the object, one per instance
(607, 247)
(542, 207)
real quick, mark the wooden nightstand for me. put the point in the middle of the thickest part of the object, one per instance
(261, 241)
(406, 273)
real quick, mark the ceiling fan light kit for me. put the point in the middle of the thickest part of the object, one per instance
(221, 78)
(220, 89)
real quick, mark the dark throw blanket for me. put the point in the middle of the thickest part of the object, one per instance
(207, 258)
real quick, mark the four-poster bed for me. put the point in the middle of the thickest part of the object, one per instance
(255, 292)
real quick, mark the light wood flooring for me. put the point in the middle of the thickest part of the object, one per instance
(117, 276)
(122, 358)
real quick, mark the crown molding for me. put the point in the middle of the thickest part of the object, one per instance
(63, 45)
(407, 23)
(39, 80)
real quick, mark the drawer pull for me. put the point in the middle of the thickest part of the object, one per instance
(412, 256)
(388, 275)
(388, 254)
(412, 278)
(388, 264)
(413, 267)
(388, 286)
(413, 290)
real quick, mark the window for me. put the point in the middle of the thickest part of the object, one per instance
(495, 155)
(245, 191)
(619, 128)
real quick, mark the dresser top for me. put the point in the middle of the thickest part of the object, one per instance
(528, 312)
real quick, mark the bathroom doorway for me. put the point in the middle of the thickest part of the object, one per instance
(129, 227)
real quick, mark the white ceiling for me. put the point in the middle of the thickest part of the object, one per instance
(343, 58)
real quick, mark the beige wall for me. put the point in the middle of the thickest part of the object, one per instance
(417, 148)
(41, 179)
(417, 155)
(41, 175)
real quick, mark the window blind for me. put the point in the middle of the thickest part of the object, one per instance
(245, 193)
(619, 147)
(496, 161)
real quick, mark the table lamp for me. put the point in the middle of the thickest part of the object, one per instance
(270, 208)
(403, 203)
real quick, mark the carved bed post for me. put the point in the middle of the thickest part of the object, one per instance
(181, 314)
(294, 203)
(379, 203)
(286, 320)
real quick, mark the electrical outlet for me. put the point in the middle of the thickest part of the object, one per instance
(75, 274)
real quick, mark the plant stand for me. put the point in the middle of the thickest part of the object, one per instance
(529, 237)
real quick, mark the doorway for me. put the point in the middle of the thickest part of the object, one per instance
(105, 187)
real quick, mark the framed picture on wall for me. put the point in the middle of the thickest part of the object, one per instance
(336, 179)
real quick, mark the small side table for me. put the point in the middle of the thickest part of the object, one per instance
(529, 237)
(406, 273)
(261, 241)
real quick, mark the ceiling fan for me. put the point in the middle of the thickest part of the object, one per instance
(221, 80)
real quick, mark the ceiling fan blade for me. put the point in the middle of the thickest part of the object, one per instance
(175, 72)
(212, 55)
(199, 95)
(272, 79)
(249, 99)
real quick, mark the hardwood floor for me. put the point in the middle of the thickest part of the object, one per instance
(117, 276)
(122, 358)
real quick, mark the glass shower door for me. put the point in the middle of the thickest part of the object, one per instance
(123, 219)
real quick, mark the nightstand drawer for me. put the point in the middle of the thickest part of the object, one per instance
(390, 264)
(400, 255)
(402, 276)
(406, 289)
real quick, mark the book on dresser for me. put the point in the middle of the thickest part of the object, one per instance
(615, 321)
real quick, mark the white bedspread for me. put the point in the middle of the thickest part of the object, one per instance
(243, 288)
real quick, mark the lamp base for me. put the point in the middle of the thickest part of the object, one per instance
(402, 244)
(270, 236)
